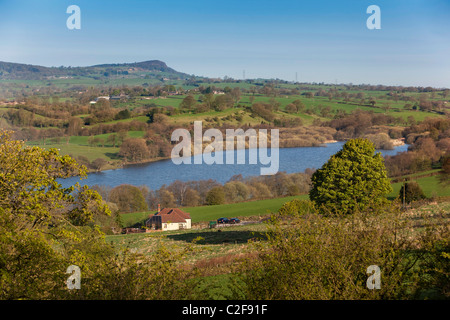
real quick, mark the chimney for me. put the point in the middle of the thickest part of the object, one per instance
(159, 207)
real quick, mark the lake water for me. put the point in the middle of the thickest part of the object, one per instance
(156, 174)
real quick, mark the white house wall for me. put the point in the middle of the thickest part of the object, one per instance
(172, 226)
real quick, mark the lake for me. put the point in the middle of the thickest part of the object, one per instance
(156, 174)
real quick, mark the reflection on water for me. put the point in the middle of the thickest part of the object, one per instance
(156, 174)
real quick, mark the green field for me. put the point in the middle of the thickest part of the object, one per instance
(209, 213)
(243, 209)
(431, 187)
(79, 146)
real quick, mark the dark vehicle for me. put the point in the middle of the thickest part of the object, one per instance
(235, 220)
(223, 220)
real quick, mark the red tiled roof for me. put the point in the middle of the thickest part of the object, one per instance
(173, 215)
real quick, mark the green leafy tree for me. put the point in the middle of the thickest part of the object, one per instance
(123, 114)
(444, 177)
(188, 103)
(44, 227)
(215, 196)
(354, 178)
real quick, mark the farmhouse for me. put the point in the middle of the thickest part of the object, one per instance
(169, 219)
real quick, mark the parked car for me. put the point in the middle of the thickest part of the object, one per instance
(223, 220)
(235, 220)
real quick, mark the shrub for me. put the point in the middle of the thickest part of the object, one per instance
(123, 114)
(326, 258)
(410, 192)
(297, 207)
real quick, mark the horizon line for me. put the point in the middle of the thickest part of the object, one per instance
(231, 78)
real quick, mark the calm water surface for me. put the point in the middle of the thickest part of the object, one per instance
(156, 174)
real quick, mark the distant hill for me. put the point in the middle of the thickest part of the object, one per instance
(151, 65)
(151, 68)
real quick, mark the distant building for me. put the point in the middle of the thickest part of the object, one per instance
(99, 98)
(118, 97)
(169, 219)
(102, 97)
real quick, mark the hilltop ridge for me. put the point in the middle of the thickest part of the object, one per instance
(19, 71)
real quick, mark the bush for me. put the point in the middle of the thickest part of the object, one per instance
(326, 258)
(411, 191)
(297, 207)
(132, 276)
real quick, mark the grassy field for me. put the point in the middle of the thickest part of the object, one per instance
(431, 186)
(79, 146)
(209, 213)
(243, 209)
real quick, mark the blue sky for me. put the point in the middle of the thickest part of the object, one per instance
(321, 40)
